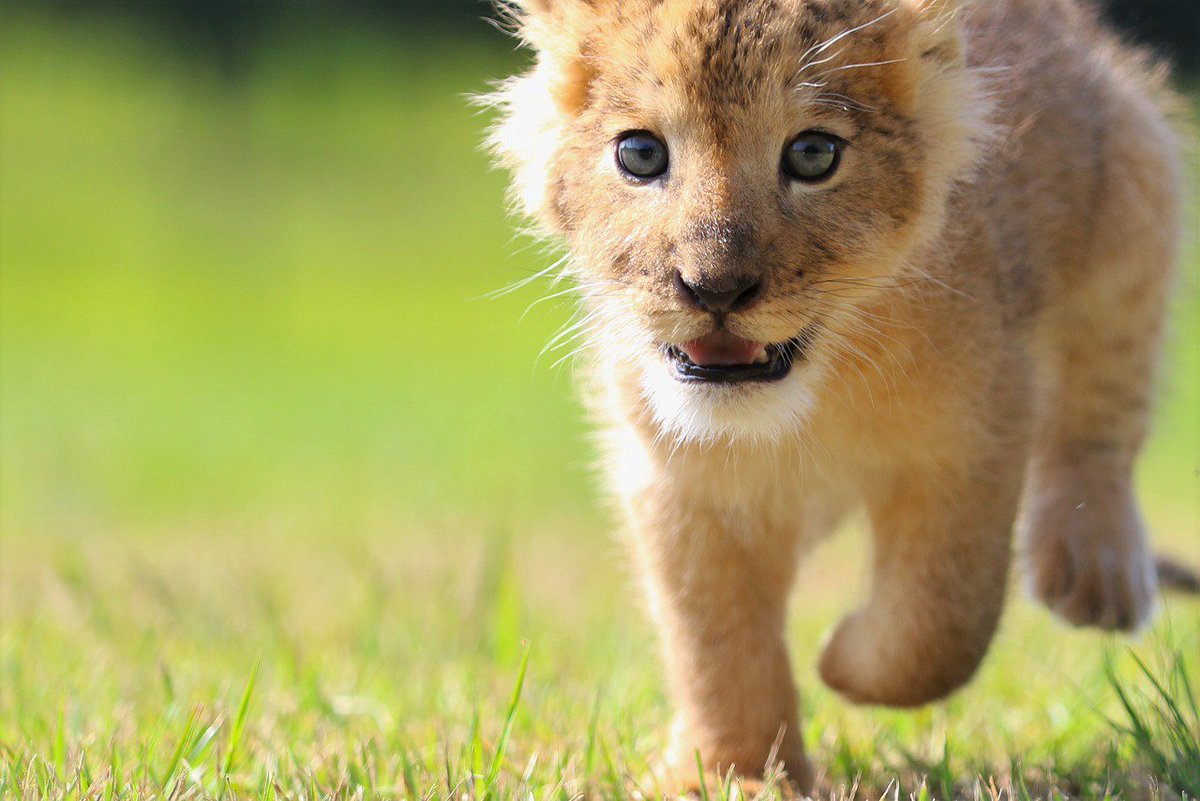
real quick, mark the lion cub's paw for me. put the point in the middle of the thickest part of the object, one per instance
(679, 778)
(869, 663)
(733, 788)
(1091, 565)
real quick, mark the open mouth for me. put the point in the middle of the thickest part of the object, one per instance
(722, 358)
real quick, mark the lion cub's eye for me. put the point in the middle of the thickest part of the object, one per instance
(641, 155)
(812, 157)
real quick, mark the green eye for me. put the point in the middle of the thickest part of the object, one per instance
(641, 155)
(812, 157)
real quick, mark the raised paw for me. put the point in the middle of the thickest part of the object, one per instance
(869, 663)
(1090, 564)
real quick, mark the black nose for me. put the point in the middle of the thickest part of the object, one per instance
(719, 296)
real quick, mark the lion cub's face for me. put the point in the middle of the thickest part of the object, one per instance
(733, 179)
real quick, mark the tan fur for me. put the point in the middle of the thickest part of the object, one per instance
(986, 273)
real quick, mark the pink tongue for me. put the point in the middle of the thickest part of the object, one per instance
(722, 349)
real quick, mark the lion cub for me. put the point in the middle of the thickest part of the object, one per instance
(908, 255)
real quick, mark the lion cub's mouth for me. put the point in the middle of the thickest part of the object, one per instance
(722, 358)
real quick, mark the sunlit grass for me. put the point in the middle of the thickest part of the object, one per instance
(285, 508)
(1163, 720)
(392, 661)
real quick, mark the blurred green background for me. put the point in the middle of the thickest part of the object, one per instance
(228, 294)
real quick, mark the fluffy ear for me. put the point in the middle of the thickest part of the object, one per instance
(938, 35)
(934, 7)
(535, 108)
(543, 24)
(558, 30)
(544, 7)
(951, 100)
(559, 7)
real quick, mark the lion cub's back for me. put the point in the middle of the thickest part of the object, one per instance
(1073, 106)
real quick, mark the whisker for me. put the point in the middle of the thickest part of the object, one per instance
(545, 299)
(841, 101)
(524, 282)
(585, 346)
(817, 49)
(934, 279)
(568, 331)
(863, 65)
(819, 62)
(579, 287)
(840, 344)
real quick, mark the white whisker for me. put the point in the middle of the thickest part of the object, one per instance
(526, 281)
(817, 49)
(841, 101)
(863, 65)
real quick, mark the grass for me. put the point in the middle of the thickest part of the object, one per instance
(285, 513)
(1163, 720)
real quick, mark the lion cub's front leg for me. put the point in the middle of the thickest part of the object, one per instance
(941, 559)
(718, 584)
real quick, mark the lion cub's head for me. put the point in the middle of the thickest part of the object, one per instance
(732, 178)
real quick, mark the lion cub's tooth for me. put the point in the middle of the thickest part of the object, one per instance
(761, 357)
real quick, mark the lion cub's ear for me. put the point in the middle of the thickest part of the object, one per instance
(536, 107)
(559, 30)
(549, 7)
(938, 37)
(946, 95)
(546, 24)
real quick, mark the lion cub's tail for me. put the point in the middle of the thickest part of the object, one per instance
(1177, 577)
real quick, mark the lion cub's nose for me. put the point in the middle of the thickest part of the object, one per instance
(721, 296)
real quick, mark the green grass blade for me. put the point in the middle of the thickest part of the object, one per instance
(493, 771)
(185, 738)
(59, 755)
(474, 757)
(408, 772)
(1163, 737)
(700, 774)
(239, 726)
(1167, 699)
(589, 752)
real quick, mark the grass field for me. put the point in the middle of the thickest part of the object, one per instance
(285, 507)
